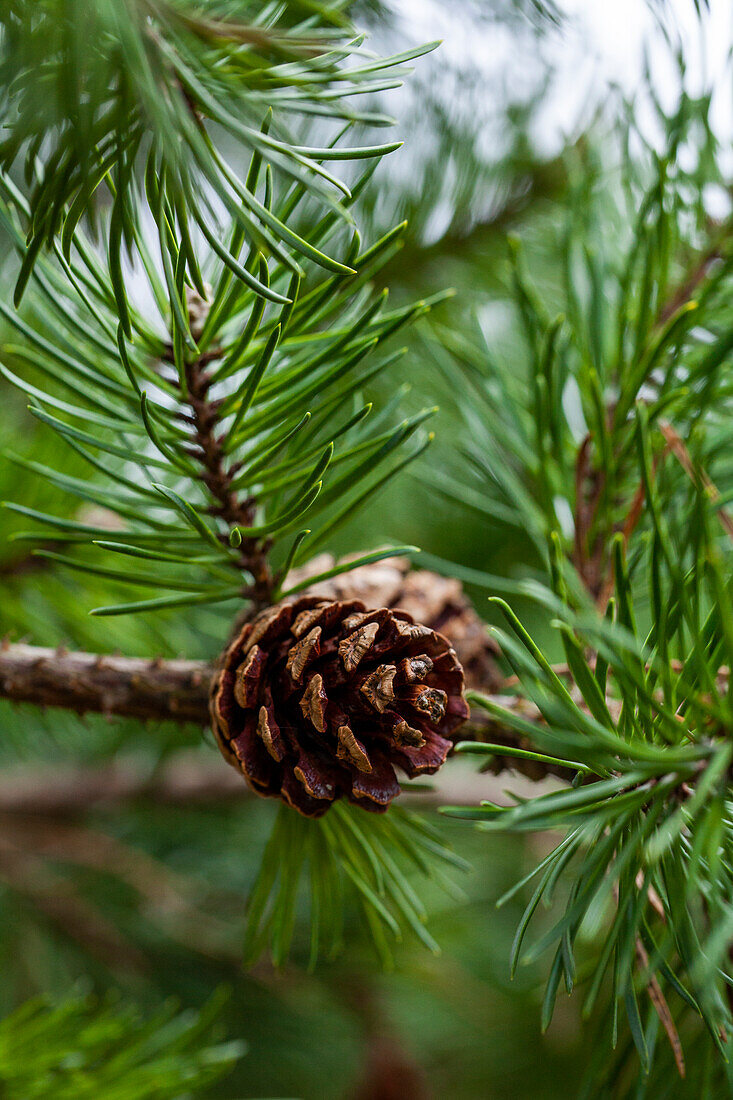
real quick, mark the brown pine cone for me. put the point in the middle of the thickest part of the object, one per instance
(319, 700)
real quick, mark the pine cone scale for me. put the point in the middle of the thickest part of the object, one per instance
(320, 700)
(378, 787)
(426, 758)
(351, 748)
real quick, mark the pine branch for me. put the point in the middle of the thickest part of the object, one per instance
(624, 502)
(159, 76)
(260, 428)
(178, 691)
(129, 687)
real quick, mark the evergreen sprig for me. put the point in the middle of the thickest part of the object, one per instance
(609, 454)
(641, 718)
(368, 860)
(643, 281)
(91, 90)
(82, 1048)
(213, 444)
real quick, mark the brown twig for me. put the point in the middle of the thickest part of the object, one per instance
(589, 487)
(697, 475)
(151, 690)
(88, 682)
(208, 449)
(694, 278)
(659, 1002)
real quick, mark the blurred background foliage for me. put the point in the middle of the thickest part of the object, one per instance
(149, 900)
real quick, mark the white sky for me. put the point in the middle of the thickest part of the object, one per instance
(602, 42)
(481, 65)
(619, 32)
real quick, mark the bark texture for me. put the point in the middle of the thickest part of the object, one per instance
(131, 687)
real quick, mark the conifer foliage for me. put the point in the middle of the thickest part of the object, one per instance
(197, 327)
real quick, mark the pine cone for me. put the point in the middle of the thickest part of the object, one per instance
(319, 700)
